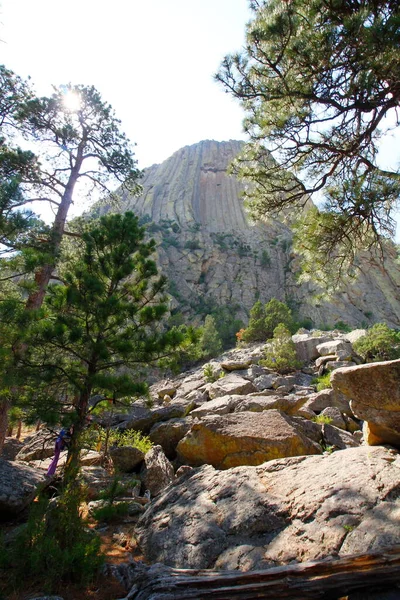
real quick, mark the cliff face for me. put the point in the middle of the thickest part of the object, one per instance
(213, 255)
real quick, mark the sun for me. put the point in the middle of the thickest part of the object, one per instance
(72, 101)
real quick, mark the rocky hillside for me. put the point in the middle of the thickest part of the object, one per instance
(251, 470)
(214, 256)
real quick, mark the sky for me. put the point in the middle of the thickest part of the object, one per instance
(153, 60)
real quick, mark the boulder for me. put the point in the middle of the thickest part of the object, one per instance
(374, 390)
(11, 448)
(126, 458)
(355, 335)
(95, 480)
(245, 438)
(287, 404)
(306, 346)
(158, 472)
(265, 382)
(230, 384)
(337, 438)
(168, 434)
(40, 446)
(19, 484)
(142, 419)
(329, 397)
(333, 346)
(332, 365)
(235, 365)
(220, 406)
(286, 510)
(335, 416)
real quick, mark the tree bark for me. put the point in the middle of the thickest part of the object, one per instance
(5, 406)
(327, 579)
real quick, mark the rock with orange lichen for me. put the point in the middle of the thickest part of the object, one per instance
(245, 438)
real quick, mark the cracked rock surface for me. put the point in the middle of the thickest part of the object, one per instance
(290, 509)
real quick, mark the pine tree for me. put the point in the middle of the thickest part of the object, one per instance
(319, 83)
(79, 149)
(98, 330)
(256, 331)
(276, 313)
(210, 340)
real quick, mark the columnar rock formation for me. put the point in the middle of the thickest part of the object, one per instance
(212, 253)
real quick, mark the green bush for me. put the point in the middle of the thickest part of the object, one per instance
(55, 547)
(210, 375)
(280, 354)
(379, 343)
(133, 438)
(323, 382)
(322, 419)
(110, 512)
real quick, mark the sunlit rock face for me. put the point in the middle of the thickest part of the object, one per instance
(212, 253)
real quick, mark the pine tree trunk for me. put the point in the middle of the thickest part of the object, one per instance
(72, 466)
(5, 406)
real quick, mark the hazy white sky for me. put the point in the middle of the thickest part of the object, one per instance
(153, 60)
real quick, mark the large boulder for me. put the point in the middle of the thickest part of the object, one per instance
(126, 458)
(245, 438)
(306, 346)
(288, 404)
(19, 484)
(169, 434)
(294, 509)
(11, 448)
(231, 384)
(335, 346)
(143, 419)
(374, 390)
(39, 446)
(158, 472)
(329, 397)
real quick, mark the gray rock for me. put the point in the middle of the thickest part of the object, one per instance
(126, 458)
(19, 484)
(230, 384)
(158, 472)
(335, 416)
(169, 434)
(374, 390)
(292, 509)
(265, 382)
(219, 406)
(244, 438)
(95, 480)
(355, 335)
(287, 404)
(339, 439)
(329, 397)
(235, 365)
(40, 446)
(11, 448)
(306, 346)
(338, 364)
(333, 346)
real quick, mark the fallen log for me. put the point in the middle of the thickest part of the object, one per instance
(328, 579)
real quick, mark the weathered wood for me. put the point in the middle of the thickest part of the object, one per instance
(327, 579)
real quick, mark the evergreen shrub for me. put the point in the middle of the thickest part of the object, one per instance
(380, 343)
